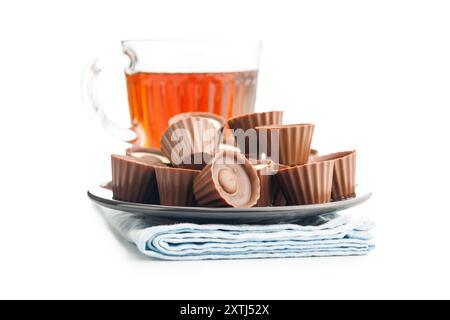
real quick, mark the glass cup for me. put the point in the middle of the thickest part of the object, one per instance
(165, 78)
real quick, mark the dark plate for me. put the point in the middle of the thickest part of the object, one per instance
(104, 198)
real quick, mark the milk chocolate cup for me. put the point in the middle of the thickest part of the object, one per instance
(278, 198)
(215, 119)
(148, 155)
(307, 184)
(344, 173)
(228, 181)
(294, 142)
(265, 170)
(228, 137)
(191, 142)
(133, 180)
(251, 121)
(175, 186)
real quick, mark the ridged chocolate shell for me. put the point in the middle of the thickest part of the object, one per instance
(148, 155)
(266, 181)
(278, 198)
(208, 192)
(133, 180)
(175, 186)
(307, 184)
(253, 120)
(228, 138)
(196, 135)
(294, 142)
(344, 173)
(266, 194)
(207, 115)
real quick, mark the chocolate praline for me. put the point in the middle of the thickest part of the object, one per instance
(228, 181)
(242, 124)
(344, 173)
(307, 184)
(265, 170)
(133, 180)
(175, 186)
(292, 143)
(191, 142)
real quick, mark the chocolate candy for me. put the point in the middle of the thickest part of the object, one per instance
(307, 184)
(199, 165)
(265, 170)
(191, 142)
(228, 181)
(133, 180)
(294, 142)
(278, 198)
(344, 173)
(175, 186)
(251, 121)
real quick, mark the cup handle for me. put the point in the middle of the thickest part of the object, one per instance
(92, 103)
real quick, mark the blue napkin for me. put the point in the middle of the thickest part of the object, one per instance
(325, 235)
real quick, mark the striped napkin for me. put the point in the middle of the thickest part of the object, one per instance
(325, 235)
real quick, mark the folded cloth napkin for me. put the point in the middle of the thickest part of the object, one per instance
(325, 235)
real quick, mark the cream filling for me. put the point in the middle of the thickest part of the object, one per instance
(154, 155)
(260, 166)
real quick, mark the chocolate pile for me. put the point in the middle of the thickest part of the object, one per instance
(204, 162)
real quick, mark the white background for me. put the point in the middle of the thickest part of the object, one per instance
(372, 75)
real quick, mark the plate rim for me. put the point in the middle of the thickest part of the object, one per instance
(361, 197)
